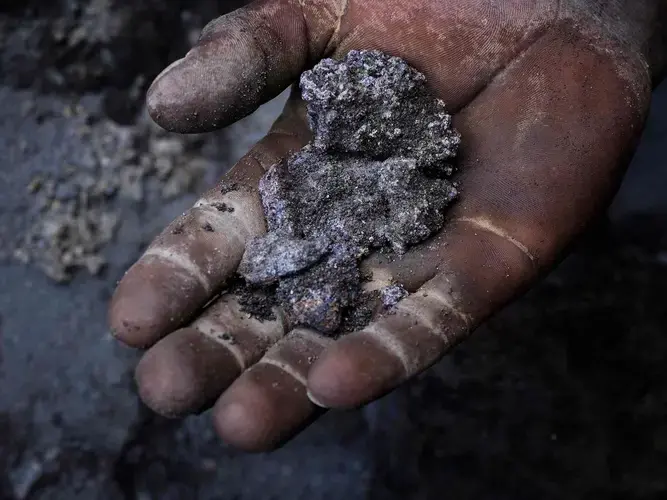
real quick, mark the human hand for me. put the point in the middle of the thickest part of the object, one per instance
(549, 105)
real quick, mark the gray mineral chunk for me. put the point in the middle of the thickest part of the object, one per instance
(318, 297)
(375, 176)
(392, 294)
(275, 255)
(378, 106)
(360, 202)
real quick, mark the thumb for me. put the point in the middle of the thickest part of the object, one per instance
(242, 60)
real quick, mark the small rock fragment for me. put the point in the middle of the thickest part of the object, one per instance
(275, 255)
(377, 106)
(392, 294)
(318, 297)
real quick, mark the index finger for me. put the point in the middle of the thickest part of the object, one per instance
(191, 260)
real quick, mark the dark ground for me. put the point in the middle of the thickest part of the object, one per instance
(563, 395)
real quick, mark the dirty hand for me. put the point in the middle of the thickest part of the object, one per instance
(549, 105)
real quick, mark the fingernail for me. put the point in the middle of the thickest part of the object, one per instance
(161, 93)
(315, 401)
(166, 70)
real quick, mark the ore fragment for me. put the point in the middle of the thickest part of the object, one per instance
(377, 106)
(276, 255)
(318, 298)
(374, 176)
(392, 295)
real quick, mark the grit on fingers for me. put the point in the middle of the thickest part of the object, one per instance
(268, 403)
(193, 258)
(186, 371)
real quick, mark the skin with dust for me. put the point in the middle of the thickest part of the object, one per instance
(375, 176)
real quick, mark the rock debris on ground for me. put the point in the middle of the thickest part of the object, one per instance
(76, 210)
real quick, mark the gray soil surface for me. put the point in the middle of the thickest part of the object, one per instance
(563, 395)
(374, 177)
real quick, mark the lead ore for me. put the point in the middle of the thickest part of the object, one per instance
(375, 176)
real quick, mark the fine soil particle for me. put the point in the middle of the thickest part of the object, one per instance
(255, 301)
(365, 306)
(375, 176)
(392, 294)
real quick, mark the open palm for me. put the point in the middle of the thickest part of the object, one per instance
(549, 109)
